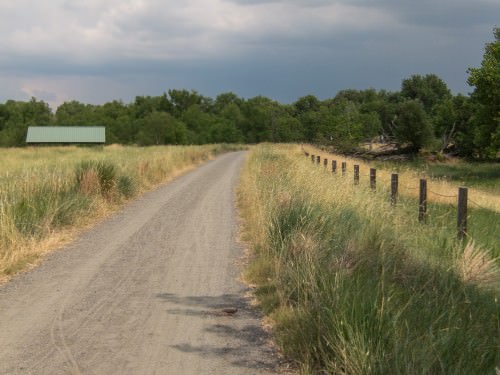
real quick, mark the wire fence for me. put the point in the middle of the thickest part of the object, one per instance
(461, 198)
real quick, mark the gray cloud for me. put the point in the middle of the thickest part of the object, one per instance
(97, 51)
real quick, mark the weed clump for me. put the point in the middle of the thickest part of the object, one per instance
(126, 186)
(96, 177)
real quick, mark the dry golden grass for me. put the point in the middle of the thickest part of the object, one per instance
(439, 191)
(248, 204)
(355, 285)
(476, 266)
(26, 174)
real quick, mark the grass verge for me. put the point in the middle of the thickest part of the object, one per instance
(46, 194)
(355, 286)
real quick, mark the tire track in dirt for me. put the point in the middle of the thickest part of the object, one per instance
(142, 293)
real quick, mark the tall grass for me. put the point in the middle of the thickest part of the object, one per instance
(442, 186)
(45, 193)
(484, 175)
(355, 286)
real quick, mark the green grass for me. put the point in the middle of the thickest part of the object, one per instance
(46, 191)
(355, 286)
(485, 175)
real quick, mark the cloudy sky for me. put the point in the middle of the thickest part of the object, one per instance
(100, 50)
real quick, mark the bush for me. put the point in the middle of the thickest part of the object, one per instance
(126, 186)
(96, 177)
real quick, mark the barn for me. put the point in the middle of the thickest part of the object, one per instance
(61, 135)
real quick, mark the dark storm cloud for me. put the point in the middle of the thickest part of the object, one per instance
(97, 51)
(439, 13)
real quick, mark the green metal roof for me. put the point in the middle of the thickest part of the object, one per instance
(66, 134)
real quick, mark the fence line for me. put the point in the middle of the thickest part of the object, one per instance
(462, 196)
(482, 207)
(442, 195)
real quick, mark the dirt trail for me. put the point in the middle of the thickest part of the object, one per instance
(143, 292)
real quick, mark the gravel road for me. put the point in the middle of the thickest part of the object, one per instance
(144, 292)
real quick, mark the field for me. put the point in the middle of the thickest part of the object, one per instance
(480, 175)
(354, 285)
(49, 194)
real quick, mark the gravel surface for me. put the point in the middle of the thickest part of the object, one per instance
(152, 290)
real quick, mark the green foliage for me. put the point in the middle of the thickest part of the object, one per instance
(16, 116)
(430, 90)
(472, 174)
(354, 287)
(104, 172)
(76, 114)
(423, 113)
(126, 186)
(38, 213)
(413, 125)
(486, 96)
(159, 128)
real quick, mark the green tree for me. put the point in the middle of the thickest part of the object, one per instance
(76, 113)
(230, 123)
(183, 99)
(117, 119)
(258, 122)
(199, 124)
(145, 105)
(453, 127)
(226, 99)
(429, 90)
(413, 127)
(160, 128)
(16, 116)
(348, 125)
(486, 96)
(305, 104)
(306, 110)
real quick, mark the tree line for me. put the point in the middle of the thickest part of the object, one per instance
(422, 114)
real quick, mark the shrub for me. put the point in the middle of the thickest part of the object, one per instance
(95, 177)
(126, 186)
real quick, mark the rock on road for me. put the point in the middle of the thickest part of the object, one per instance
(144, 292)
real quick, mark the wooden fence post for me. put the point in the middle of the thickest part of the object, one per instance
(373, 178)
(313, 158)
(344, 168)
(318, 159)
(394, 188)
(356, 174)
(422, 201)
(462, 213)
(325, 163)
(334, 166)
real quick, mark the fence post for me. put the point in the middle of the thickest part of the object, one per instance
(462, 213)
(373, 178)
(334, 166)
(344, 168)
(313, 158)
(422, 201)
(325, 163)
(318, 159)
(356, 174)
(394, 188)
